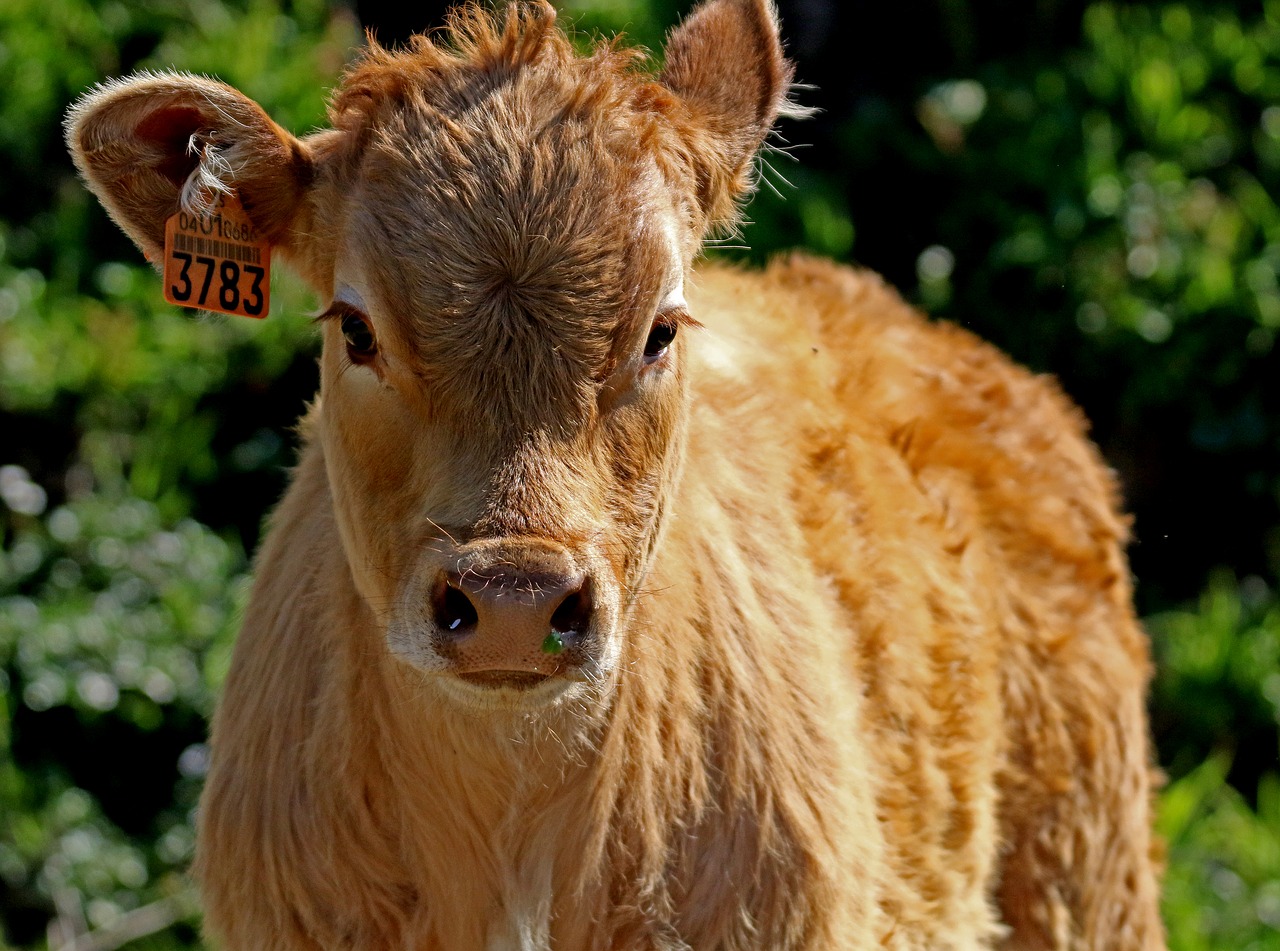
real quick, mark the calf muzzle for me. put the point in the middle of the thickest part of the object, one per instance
(512, 615)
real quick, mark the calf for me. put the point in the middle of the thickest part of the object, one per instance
(621, 601)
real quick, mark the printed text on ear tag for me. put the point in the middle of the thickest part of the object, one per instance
(217, 261)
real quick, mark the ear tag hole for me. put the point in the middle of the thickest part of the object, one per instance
(218, 260)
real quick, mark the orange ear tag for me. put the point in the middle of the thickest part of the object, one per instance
(217, 261)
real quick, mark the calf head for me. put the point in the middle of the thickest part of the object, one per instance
(501, 231)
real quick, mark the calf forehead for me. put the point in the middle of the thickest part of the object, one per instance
(515, 247)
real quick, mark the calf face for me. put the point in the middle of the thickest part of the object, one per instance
(501, 231)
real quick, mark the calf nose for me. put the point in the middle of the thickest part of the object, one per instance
(498, 623)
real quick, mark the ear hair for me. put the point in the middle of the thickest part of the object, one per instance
(725, 62)
(153, 142)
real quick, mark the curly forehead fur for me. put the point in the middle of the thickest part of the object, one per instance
(560, 160)
(478, 52)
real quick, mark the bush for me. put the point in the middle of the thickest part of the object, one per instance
(114, 631)
(144, 447)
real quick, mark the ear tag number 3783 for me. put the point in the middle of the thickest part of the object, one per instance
(217, 261)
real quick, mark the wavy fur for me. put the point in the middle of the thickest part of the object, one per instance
(862, 669)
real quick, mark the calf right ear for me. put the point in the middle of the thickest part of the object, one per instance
(152, 143)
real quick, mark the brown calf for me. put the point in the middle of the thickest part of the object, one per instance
(624, 602)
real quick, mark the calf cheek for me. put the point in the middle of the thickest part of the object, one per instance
(643, 452)
(380, 472)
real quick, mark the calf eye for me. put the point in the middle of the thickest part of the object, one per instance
(361, 345)
(660, 337)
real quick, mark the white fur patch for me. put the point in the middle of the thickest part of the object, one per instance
(674, 300)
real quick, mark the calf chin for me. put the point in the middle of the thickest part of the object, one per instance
(509, 694)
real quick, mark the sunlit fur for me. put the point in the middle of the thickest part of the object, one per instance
(864, 672)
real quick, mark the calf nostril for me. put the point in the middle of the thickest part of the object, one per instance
(573, 615)
(454, 611)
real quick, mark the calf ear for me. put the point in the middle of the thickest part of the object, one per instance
(725, 63)
(151, 143)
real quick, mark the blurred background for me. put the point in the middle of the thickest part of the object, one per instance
(1090, 185)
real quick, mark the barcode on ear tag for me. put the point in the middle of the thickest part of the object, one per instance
(217, 261)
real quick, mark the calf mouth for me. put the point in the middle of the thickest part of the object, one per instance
(508, 679)
(511, 691)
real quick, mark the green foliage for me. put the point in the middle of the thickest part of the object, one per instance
(1218, 687)
(112, 369)
(1222, 889)
(121, 581)
(1221, 659)
(114, 631)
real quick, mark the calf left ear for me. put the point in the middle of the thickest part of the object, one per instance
(151, 143)
(725, 63)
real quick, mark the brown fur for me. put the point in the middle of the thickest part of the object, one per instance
(862, 669)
